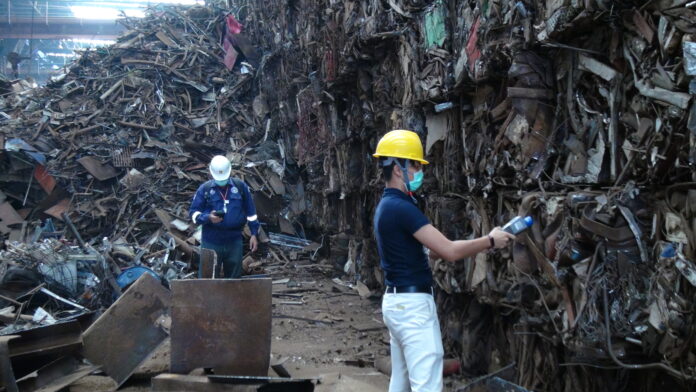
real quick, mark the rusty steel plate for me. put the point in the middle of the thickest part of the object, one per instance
(8, 217)
(97, 169)
(223, 324)
(270, 383)
(122, 338)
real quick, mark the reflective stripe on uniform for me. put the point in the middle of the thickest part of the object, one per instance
(195, 215)
(252, 218)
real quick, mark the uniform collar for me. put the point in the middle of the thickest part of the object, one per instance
(396, 192)
(399, 194)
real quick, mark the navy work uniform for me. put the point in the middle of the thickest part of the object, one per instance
(225, 238)
(408, 307)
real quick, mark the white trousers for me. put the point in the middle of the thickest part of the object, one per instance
(416, 342)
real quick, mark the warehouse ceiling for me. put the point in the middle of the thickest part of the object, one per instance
(48, 34)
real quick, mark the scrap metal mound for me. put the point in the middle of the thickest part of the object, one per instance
(118, 143)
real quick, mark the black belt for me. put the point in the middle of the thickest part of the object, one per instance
(410, 289)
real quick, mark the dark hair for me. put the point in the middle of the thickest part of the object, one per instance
(388, 170)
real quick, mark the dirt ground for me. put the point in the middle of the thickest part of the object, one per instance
(321, 330)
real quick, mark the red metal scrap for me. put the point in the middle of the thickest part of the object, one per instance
(47, 182)
(233, 28)
(329, 65)
(233, 25)
(472, 51)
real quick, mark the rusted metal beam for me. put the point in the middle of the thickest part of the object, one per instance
(56, 376)
(60, 338)
(208, 260)
(28, 350)
(7, 377)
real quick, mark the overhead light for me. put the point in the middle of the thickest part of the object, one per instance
(112, 10)
(118, 4)
(66, 55)
(104, 13)
(182, 2)
(93, 42)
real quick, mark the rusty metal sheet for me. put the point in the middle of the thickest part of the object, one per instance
(97, 169)
(122, 338)
(59, 209)
(224, 324)
(208, 260)
(8, 216)
(47, 182)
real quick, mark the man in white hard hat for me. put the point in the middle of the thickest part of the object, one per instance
(223, 206)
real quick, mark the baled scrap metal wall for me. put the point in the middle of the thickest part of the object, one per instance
(576, 112)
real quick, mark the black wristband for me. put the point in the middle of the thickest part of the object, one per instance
(492, 241)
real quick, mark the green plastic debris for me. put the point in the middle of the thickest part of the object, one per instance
(435, 32)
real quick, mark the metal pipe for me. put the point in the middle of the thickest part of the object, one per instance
(26, 195)
(656, 365)
(74, 231)
(61, 299)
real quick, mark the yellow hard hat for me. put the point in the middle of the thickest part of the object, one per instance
(401, 144)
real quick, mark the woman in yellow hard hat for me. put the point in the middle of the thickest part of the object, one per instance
(403, 234)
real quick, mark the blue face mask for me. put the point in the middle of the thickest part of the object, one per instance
(417, 181)
(221, 183)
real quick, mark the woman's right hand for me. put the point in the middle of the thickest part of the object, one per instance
(500, 238)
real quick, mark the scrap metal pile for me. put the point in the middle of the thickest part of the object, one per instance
(578, 113)
(98, 168)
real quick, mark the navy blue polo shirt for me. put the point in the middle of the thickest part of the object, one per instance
(402, 256)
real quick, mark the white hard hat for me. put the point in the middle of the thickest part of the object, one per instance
(220, 168)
